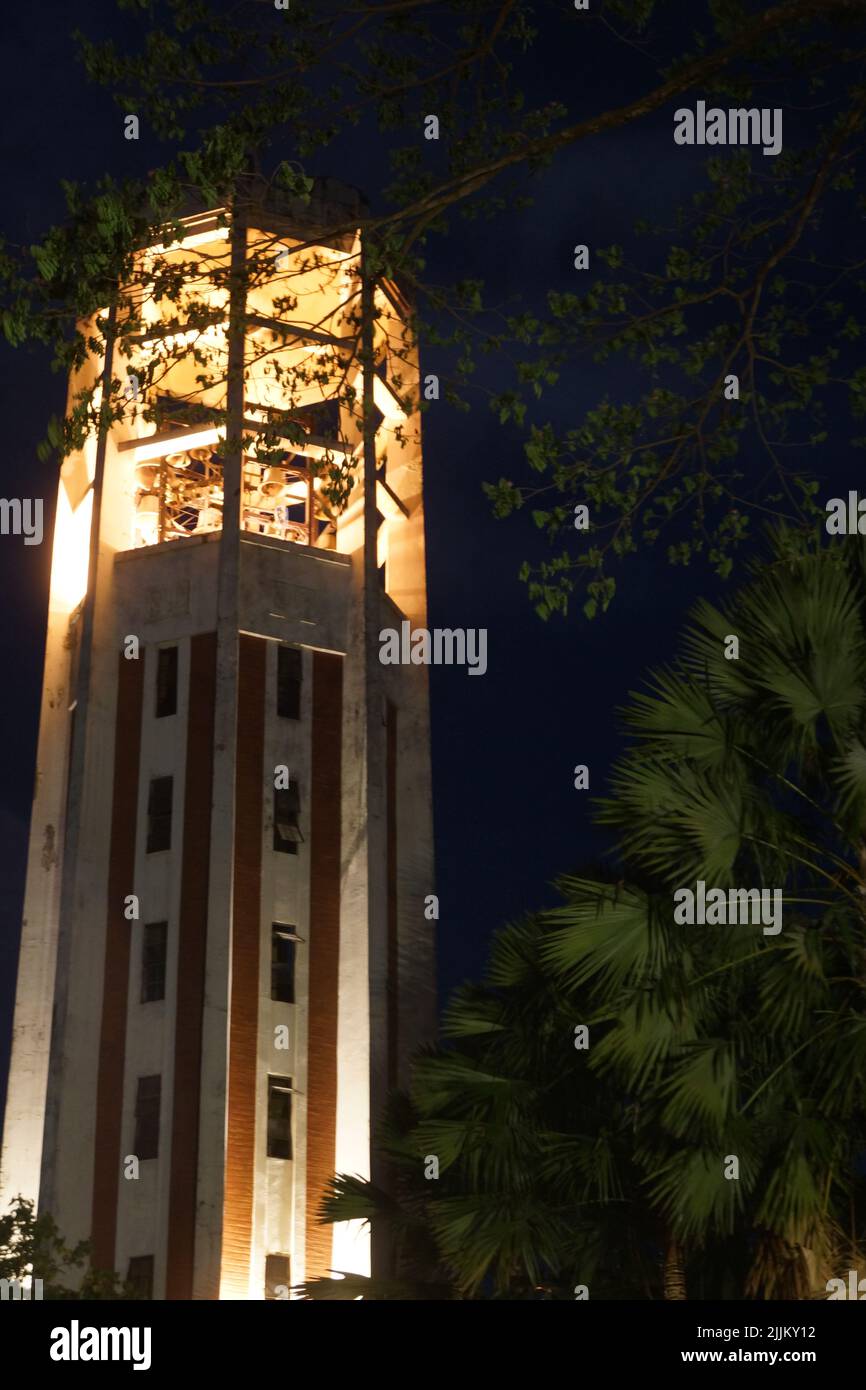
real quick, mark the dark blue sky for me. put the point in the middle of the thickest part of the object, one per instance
(507, 817)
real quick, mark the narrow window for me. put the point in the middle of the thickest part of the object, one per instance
(279, 1117)
(140, 1276)
(289, 682)
(147, 1117)
(287, 808)
(153, 961)
(159, 814)
(166, 682)
(283, 940)
(277, 1276)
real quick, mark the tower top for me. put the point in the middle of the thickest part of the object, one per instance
(331, 205)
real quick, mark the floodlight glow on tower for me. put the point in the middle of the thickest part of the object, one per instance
(225, 961)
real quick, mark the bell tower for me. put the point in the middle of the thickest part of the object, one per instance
(225, 961)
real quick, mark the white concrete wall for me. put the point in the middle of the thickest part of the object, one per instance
(26, 1099)
(24, 1117)
(67, 1168)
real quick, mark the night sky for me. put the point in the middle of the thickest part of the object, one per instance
(507, 817)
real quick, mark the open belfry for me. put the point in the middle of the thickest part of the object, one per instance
(225, 960)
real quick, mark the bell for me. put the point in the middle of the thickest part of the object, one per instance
(147, 519)
(146, 475)
(273, 482)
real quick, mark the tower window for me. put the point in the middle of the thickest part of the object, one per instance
(287, 808)
(279, 1117)
(153, 961)
(277, 1276)
(289, 682)
(166, 682)
(140, 1276)
(147, 1117)
(283, 940)
(159, 814)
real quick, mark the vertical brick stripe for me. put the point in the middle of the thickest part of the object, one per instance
(246, 926)
(112, 1037)
(192, 943)
(325, 812)
(392, 990)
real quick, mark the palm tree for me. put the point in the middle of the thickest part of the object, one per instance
(747, 772)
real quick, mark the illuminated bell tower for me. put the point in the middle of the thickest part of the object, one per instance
(225, 960)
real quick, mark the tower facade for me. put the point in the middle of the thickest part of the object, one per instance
(225, 960)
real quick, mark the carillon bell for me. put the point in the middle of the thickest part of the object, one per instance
(273, 482)
(146, 475)
(147, 519)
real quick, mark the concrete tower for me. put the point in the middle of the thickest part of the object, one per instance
(225, 959)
